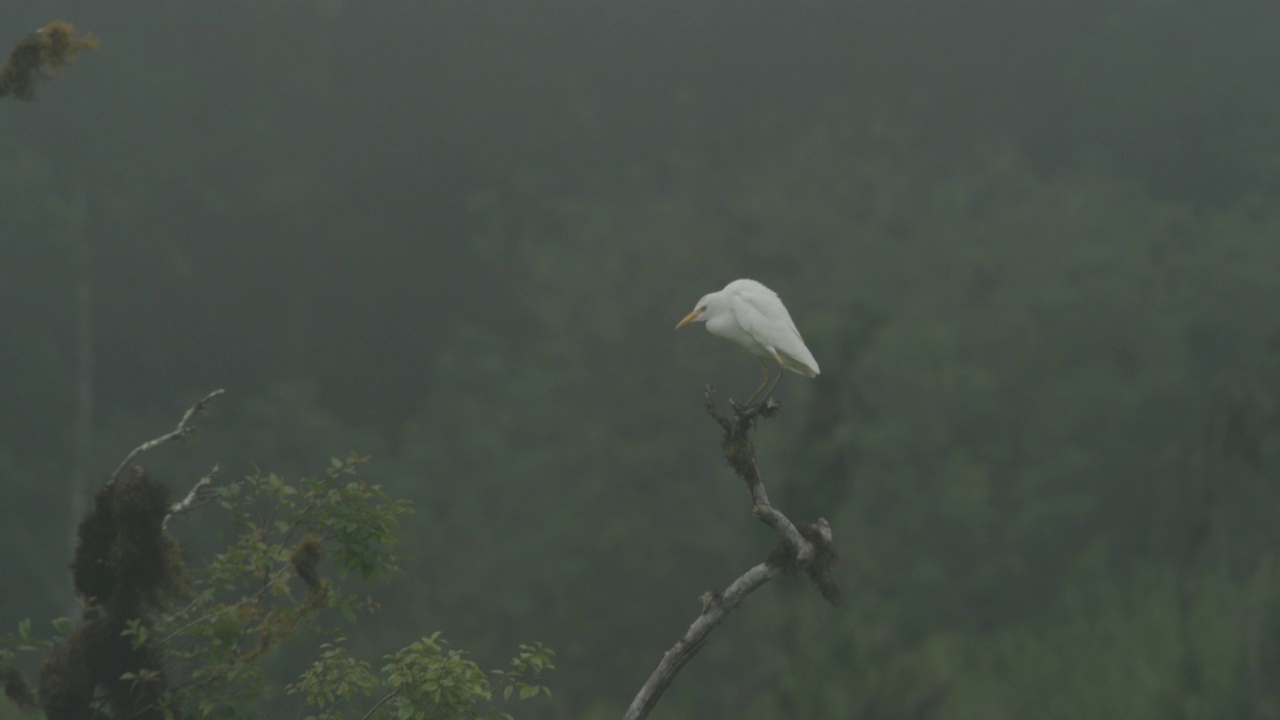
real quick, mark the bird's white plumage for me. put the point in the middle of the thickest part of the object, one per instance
(751, 315)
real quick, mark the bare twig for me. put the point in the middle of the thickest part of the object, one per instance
(179, 432)
(194, 499)
(715, 605)
(380, 703)
(808, 551)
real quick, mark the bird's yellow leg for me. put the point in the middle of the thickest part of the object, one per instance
(782, 370)
(764, 369)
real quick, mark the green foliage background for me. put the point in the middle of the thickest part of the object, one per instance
(1033, 248)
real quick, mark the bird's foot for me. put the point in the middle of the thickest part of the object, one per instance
(765, 408)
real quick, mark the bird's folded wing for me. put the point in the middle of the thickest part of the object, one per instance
(757, 320)
(763, 318)
(767, 321)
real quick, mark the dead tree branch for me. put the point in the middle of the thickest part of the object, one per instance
(199, 495)
(804, 547)
(181, 431)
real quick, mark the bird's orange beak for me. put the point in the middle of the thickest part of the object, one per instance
(688, 319)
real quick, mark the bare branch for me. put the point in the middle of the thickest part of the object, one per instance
(716, 604)
(194, 499)
(380, 703)
(779, 522)
(179, 432)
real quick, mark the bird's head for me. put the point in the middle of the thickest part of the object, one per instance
(699, 313)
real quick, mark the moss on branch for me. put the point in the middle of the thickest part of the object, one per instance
(45, 53)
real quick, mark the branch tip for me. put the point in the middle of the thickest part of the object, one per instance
(181, 431)
(198, 497)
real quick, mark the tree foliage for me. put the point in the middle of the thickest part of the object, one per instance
(161, 641)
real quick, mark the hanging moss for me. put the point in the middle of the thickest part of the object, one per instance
(821, 566)
(45, 53)
(125, 564)
(129, 698)
(305, 559)
(178, 583)
(91, 571)
(68, 677)
(138, 555)
(123, 556)
(95, 656)
(783, 556)
(17, 689)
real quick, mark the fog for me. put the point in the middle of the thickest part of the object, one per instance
(1032, 246)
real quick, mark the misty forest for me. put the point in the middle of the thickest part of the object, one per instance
(338, 376)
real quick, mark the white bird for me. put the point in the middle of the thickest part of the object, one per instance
(752, 316)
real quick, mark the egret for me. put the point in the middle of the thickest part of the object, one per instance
(753, 316)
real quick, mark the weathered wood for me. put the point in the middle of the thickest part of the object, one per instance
(180, 431)
(716, 604)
